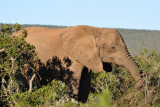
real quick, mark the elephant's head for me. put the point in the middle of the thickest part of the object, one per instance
(91, 46)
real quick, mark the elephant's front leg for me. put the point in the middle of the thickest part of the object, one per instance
(72, 78)
(85, 85)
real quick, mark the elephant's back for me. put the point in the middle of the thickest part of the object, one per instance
(46, 41)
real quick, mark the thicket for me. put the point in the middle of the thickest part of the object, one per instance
(15, 56)
(107, 88)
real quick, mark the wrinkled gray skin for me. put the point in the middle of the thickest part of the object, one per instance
(88, 48)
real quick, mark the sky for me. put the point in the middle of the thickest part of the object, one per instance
(130, 14)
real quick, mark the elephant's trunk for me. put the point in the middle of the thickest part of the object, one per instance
(131, 66)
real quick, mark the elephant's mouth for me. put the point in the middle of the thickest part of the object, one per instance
(107, 67)
(109, 60)
(106, 59)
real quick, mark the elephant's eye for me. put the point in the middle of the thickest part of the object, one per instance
(103, 44)
(113, 48)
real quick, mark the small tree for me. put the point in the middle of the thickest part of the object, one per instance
(15, 56)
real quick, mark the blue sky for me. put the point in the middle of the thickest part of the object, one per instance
(132, 14)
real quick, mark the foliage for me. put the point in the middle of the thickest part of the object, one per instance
(117, 81)
(54, 94)
(15, 54)
(6, 30)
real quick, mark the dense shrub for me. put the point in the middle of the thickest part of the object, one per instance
(15, 54)
(54, 94)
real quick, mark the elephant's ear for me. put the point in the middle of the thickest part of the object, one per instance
(82, 47)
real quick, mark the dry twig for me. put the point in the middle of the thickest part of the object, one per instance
(30, 82)
(2, 50)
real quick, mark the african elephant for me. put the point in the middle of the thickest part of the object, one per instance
(88, 48)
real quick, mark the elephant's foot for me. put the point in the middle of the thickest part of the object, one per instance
(75, 94)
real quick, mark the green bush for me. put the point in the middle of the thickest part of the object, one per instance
(15, 54)
(54, 94)
(117, 81)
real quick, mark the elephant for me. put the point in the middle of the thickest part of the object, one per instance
(88, 48)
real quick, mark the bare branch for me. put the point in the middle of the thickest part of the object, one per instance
(2, 50)
(30, 82)
(12, 75)
(12, 67)
(3, 86)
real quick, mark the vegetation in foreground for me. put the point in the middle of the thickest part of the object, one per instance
(107, 89)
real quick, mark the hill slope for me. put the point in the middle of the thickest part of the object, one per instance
(136, 38)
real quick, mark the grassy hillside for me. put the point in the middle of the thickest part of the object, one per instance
(46, 26)
(136, 40)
